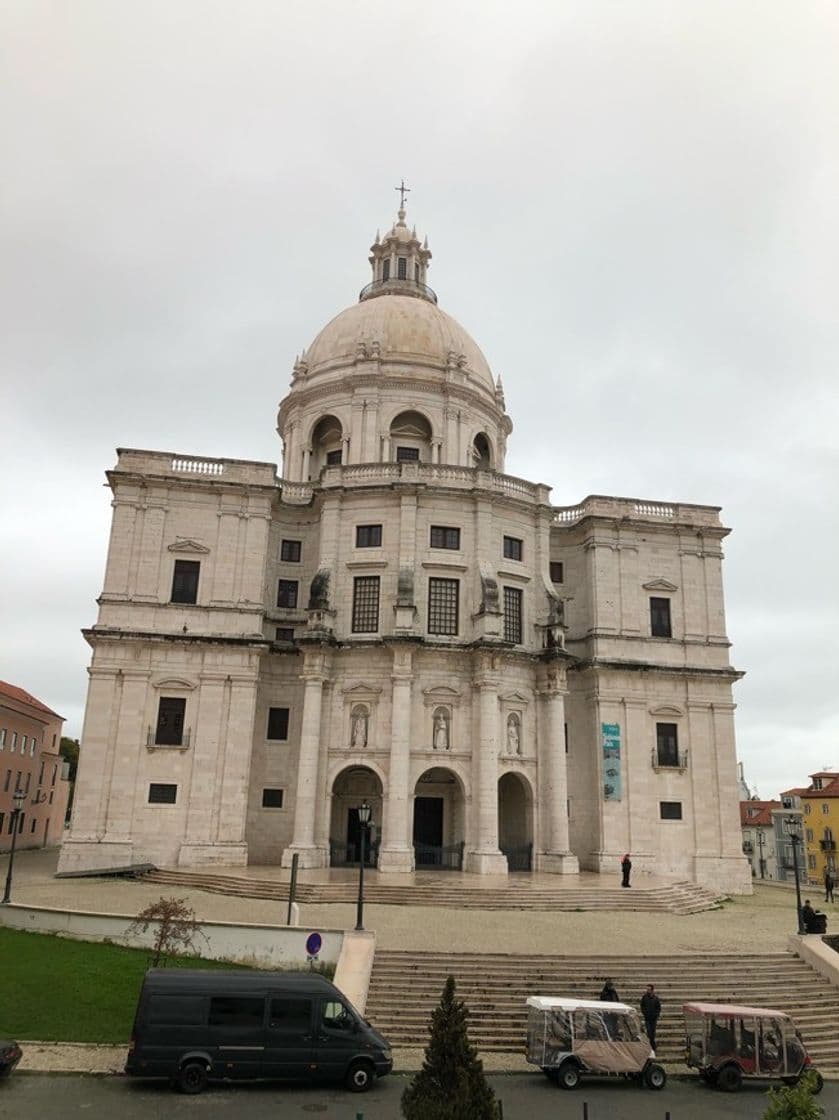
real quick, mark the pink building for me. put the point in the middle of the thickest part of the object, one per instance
(30, 734)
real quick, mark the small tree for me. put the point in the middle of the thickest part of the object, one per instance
(177, 928)
(794, 1102)
(451, 1084)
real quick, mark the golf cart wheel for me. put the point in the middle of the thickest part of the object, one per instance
(360, 1077)
(729, 1079)
(818, 1085)
(654, 1076)
(568, 1076)
(192, 1078)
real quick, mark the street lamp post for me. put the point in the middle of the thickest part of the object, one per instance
(363, 821)
(793, 828)
(19, 800)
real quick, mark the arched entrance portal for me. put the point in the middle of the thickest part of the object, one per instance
(515, 821)
(439, 820)
(350, 789)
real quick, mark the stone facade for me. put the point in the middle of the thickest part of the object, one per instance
(508, 684)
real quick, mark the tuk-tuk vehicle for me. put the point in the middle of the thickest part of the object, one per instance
(568, 1038)
(726, 1043)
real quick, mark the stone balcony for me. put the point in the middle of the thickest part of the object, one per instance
(162, 464)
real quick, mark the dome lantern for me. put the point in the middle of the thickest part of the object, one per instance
(399, 261)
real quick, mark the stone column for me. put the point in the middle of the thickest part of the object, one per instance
(307, 454)
(556, 855)
(486, 858)
(303, 839)
(120, 548)
(397, 853)
(151, 551)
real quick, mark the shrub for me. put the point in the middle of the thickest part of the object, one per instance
(794, 1102)
(451, 1084)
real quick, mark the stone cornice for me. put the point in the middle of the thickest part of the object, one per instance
(666, 670)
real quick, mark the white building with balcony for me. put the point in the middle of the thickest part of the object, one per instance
(510, 684)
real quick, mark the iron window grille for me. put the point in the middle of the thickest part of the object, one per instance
(334, 458)
(185, 581)
(407, 454)
(162, 793)
(365, 605)
(170, 722)
(287, 593)
(513, 615)
(667, 744)
(443, 602)
(442, 536)
(670, 810)
(290, 552)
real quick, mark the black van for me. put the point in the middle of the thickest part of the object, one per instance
(195, 1025)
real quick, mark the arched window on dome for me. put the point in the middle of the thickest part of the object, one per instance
(386, 269)
(327, 445)
(410, 438)
(481, 452)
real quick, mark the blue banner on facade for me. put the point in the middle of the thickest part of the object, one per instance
(612, 787)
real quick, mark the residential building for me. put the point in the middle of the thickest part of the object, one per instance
(757, 825)
(820, 808)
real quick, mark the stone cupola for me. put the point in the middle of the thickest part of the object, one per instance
(399, 263)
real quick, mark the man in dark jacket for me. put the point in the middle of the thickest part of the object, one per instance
(608, 993)
(650, 1009)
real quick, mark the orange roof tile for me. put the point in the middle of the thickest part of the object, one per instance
(24, 697)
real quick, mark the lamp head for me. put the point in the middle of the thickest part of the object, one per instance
(19, 798)
(364, 812)
(792, 825)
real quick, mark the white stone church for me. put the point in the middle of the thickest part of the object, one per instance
(509, 684)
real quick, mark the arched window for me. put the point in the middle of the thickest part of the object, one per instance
(410, 438)
(481, 453)
(327, 445)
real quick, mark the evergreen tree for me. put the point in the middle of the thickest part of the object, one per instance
(451, 1084)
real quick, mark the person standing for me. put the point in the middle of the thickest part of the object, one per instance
(828, 885)
(650, 1010)
(626, 870)
(608, 994)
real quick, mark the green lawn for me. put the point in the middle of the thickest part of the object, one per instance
(54, 989)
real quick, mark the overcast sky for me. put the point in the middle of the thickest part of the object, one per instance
(632, 208)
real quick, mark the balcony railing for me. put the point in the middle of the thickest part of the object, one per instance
(827, 845)
(666, 760)
(400, 287)
(748, 847)
(153, 741)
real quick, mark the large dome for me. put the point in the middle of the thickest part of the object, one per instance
(404, 327)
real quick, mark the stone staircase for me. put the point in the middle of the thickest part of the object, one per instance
(518, 894)
(405, 987)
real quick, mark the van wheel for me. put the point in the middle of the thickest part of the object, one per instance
(568, 1076)
(654, 1076)
(192, 1078)
(360, 1077)
(729, 1079)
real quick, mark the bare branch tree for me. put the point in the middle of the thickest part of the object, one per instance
(176, 932)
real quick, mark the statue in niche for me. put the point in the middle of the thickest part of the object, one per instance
(513, 734)
(441, 730)
(358, 730)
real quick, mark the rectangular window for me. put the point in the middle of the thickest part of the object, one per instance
(557, 571)
(13, 746)
(8, 781)
(333, 458)
(565, 731)
(170, 721)
(2, 819)
(667, 744)
(287, 593)
(177, 1011)
(810, 835)
(162, 793)
(26, 786)
(407, 454)
(272, 799)
(32, 745)
(386, 270)
(368, 536)
(670, 810)
(365, 605)
(811, 862)
(402, 268)
(2, 738)
(825, 808)
(277, 723)
(290, 552)
(236, 1011)
(23, 744)
(442, 536)
(512, 614)
(185, 581)
(284, 634)
(512, 548)
(443, 602)
(290, 1016)
(660, 618)
(32, 826)
(54, 774)
(51, 796)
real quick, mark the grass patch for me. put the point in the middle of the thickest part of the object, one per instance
(57, 990)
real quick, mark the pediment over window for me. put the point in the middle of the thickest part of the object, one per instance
(660, 585)
(186, 544)
(361, 693)
(441, 694)
(174, 682)
(515, 698)
(667, 710)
